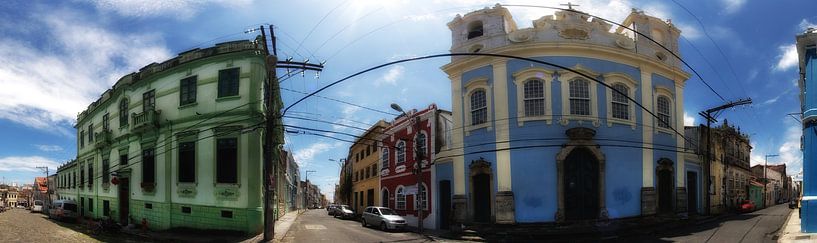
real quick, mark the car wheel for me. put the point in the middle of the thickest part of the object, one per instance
(383, 226)
(363, 222)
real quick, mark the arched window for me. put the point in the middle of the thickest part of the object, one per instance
(420, 143)
(534, 98)
(400, 201)
(579, 97)
(123, 112)
(423, 197)
(663, 112)
(475, 29)
(384, 197)
(620, 104)
(479, 107)
(384, 157)
(401, 152)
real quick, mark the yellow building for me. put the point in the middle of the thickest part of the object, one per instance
(363, 155)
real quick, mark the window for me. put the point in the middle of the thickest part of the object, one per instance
(401, 152)
(368, 151)
(357, 175)
(186, 210)
(148, 166)
(106, 171)
(663, 112)
(227, 160)
(475, 29)
(187, 91)
(368, 172)
(479, 107)
(90, 204)
(579, 97)
(106, 208)
(149, 100)
(534, 98)
(90, 133)
(226, 214)
(423, 197)
(401, 199)
(81, 139)
(105, 124)
(123, 112)
(620, 104)
(420, 143)
(149, 205)
(82, 175)
(123, 159)
(384, 157)
(374, 169)
(228, 82)
(74, 179)
(187, 162)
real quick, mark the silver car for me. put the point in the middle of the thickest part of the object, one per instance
(344, 212)
(383, 217)
(63, 209)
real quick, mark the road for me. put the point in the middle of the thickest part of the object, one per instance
(316, 226)
(20, 225)
(758, 226)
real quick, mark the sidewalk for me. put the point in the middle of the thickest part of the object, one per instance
(791, 230)
(281, 227)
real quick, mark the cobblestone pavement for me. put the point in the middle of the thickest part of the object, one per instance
(20, 225)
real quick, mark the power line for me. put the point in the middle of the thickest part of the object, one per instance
(318, 24)
(343, 102)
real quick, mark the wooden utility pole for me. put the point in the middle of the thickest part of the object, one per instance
(707, 114)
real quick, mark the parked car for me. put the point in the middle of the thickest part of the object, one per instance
(746, 206)
(344, 212)
(38, 206)
(331, 209)
(383, 217)
(63, 209)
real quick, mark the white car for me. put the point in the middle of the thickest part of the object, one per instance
(383, 217)
(38, 206)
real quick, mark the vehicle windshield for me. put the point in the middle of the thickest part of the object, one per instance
(386, 211)
(346, 208)
(38, 203)
(70, 207)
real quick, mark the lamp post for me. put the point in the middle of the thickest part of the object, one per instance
(766, 179)
(306, 190)
(418, 163)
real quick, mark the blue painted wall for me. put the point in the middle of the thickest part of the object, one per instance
(808, 205)
(694, 167)
(445, 171)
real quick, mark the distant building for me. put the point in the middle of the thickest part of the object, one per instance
(175, 144)
(364, 154)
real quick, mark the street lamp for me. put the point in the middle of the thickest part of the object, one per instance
(766, 179)
(419, 164)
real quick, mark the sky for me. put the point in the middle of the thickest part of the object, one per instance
(56, 57)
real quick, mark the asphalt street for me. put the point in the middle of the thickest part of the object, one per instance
(316, 226)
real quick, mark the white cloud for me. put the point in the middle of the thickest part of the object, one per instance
(26, 164)
(732, 6)
(45, 87)
(48, 148)
(182, 9)
(391, 76)
(689, 120)
(805, 24)
(790, 150)
(304, 156)
(689, 31)
(787, 58)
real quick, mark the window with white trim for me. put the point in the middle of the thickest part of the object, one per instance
(664, 115)
(400, 199)
(423, 197)
(384, 157)
(401, 152)
(420, 143)
(534, 97)
(620, 103)
(479, 107)
(579, 97)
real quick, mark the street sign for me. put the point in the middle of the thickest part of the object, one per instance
(411, 190)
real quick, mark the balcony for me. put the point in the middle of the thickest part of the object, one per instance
(146, 120)
(102, 138)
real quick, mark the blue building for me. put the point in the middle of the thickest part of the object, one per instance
(543, 144)
(807, 52)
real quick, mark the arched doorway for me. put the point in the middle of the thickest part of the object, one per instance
(384, 197)
(581, 185)
(481, 191)
(666, 186)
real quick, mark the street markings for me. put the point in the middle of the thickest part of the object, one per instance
(314, 227)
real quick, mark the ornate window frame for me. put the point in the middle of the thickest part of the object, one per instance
(471, 86)
(399, 192)
(565, 77)
(385, 157)
(522, 77)
(661, 91)
(620, 78)
(398, 151)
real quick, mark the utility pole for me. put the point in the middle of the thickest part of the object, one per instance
(708, 115)
(272, 104)
(48, 189)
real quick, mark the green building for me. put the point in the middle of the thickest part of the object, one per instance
(756, 193)
(176, 145)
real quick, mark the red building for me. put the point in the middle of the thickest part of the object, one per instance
(398, 179)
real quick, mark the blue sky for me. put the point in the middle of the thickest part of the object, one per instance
(59, 56)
